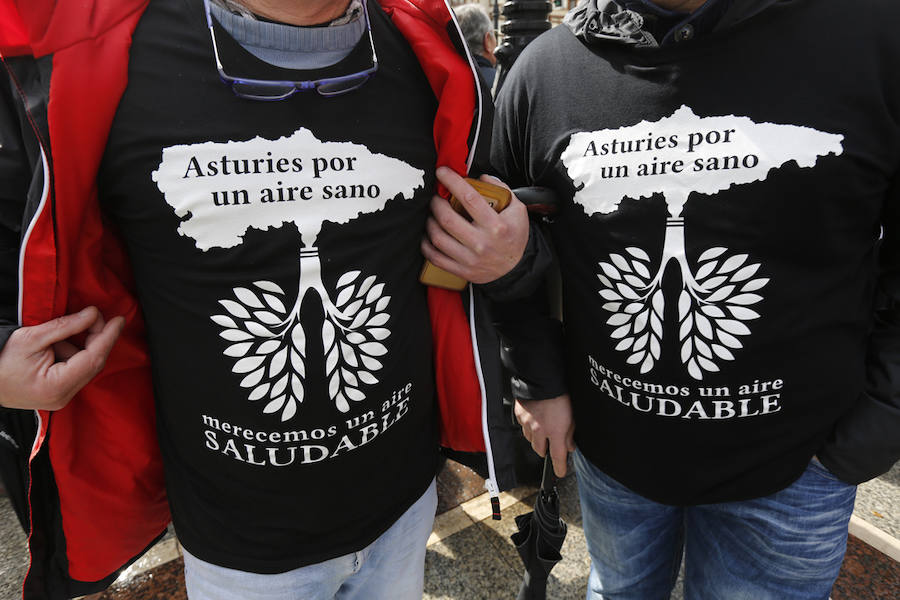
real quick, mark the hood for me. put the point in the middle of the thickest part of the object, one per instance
(623, 21)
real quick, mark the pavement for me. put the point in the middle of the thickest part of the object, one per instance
(470, 556)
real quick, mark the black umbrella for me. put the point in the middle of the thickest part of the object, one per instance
(540, 536)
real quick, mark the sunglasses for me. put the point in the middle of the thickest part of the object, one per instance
(269, 90)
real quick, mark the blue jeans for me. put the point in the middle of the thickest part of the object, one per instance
(787, 546)
(392, 567)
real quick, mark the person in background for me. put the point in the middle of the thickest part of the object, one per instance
(479, 33)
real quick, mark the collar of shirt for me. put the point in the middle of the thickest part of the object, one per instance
(668, 26)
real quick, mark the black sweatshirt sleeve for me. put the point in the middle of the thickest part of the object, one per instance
(531, 340)
(866, 441)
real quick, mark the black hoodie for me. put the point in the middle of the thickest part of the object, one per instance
(725, 177)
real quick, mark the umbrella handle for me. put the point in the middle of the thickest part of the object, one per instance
(548, 479)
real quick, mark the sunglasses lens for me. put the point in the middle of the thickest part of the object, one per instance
(336, 88)
(255, 91)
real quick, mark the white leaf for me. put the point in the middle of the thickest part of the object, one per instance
(641, 270)
(648, 364)
(247, 364)
(722, 352)
(606, 282)
(620, 332)
(610, 271)
(253, 378)
(353, 308)
(334, 385)
(686, 326)
(638, 253)
(627, 292)
(694, 370)
(248, 297)
(375, 293)
(373, 349)
(355, 395)
(702, 347)
(290, 409)
(378, 320)
(258, 330)
(729, 340)
(327, 335)
(274, 303)
(239, 349)
(349, 355)
(752, 286)
(224, 321)
(297, 388)
(735, 327)
(634, 282)
(708, 364)
(618, 319)
(382, 304)
(279, 360)
(635, 358)
(609, 295)
(714, 282)
(275, 405)
(349, 378)
(331, 360)
(361, 317)
(704, 326)
(654, 347)
(684, 304)
(258, 392)
(280, 385)
(235, 309)
(625, 344)
(687, 349)
(298, 337)
(344, 295)
(711, 310)
(641, 342)
(356, 338)
(365, 286)
(366, 377)
(659, 302)
(371, 363)
(705, 270)
(744, 314)
(269, 287)
(615, 306)
(348, 277)
(620, 262)
(341, 403)
(744, 299)
(720, 294)
(745, 273)
(380, 333)
(268, 347)
(297, 363)
(267, 317)
(656, 325)
(733, 263)
(711, 253)
(640, 321)
(629, 309)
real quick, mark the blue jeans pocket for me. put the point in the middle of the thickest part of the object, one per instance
(816, 466)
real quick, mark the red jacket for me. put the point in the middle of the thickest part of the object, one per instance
(90, 491)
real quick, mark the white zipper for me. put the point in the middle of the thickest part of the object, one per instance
(491, 482)
(479, 109)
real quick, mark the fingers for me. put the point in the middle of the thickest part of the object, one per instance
(40, 337)
(478, 209)
(559, 454)
(70, 376)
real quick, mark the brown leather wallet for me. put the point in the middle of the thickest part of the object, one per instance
(498, 198)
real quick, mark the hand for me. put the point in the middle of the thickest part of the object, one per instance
(42, 369)
(479, 251)
(550, 421)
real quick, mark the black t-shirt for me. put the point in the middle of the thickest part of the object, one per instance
(722, 203)
(275, 247)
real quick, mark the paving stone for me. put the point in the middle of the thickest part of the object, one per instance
(457, 484)
(13, 552)
(878, 502)
(465, 567)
